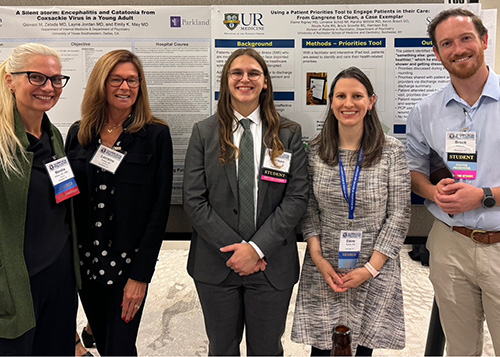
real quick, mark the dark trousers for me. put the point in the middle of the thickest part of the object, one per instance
(55, 306)
(249, 302)
(102, 305)
(360, 351)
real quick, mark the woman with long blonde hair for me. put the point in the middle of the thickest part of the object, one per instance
(123, 163)
(37, 271)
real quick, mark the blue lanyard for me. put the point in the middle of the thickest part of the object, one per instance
(351, 199)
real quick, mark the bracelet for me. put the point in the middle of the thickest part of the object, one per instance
(319, 261)
(372, 270)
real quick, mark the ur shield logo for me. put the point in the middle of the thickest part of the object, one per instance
(231, 21)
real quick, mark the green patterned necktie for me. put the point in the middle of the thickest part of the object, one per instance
(246, 177)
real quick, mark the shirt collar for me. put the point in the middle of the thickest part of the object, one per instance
(254, 116)
(491, 89)
(21, 131)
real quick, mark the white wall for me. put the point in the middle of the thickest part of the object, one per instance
(494, 4)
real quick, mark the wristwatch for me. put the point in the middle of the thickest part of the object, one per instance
(488, 199)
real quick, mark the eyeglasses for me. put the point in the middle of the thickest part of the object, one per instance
(238, 74)
(39, 79)
(116, 81)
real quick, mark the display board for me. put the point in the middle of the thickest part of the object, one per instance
(300, 43)
(183, 49)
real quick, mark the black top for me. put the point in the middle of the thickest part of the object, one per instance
(98, 261)
(46, 229)
(122, 215)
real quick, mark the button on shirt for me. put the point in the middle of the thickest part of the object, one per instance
(99, 261)
(443, 111)
(256, 129)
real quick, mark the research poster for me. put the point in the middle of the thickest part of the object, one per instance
(173, 44)
(183, 49)
(306, 46)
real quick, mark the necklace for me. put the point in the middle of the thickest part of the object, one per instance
(117, 125)
(113, 128)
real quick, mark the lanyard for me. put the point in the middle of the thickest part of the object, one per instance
(468, 121)
(351, 199)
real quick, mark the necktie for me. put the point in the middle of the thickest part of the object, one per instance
(246, 173)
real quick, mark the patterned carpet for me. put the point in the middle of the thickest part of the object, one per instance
(172, 324)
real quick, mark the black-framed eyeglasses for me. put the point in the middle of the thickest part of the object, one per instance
(238, 74)
(39, 79)
(116, 81)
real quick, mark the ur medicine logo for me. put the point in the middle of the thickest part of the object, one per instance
(231, 21)
(175, 21)
(249, 21)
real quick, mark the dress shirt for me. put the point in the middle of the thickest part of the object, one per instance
(256, 129)
(445, 111)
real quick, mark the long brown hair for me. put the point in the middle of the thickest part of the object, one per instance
(268, 112)
(94, 104)
(373, 138)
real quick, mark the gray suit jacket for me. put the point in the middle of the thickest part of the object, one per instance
(211, 201)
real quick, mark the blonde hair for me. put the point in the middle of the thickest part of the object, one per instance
(9, 142)
(94, 104)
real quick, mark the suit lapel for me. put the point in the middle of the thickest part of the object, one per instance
(261, 183)
(230, 169)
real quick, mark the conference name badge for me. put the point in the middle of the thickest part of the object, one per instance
(107, 159)
(349, 248)
(461, 154)
(279, 172)
(62, 178)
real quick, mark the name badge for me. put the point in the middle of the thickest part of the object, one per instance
(62, 178)
(107, 159)
(349, 248)
(279, 172)
(461, 154)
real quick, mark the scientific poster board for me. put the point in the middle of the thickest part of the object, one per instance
(183, 49)
(173, 44)
(387, 41)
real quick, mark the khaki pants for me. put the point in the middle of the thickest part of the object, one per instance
(466, 280)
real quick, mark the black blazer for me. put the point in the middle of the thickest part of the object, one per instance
(211, 201)
(143, 187)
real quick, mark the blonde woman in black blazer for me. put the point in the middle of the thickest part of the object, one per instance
(121, 216)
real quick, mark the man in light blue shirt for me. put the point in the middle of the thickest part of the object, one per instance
(460, 124)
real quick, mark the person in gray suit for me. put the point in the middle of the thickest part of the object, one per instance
(245, 190)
